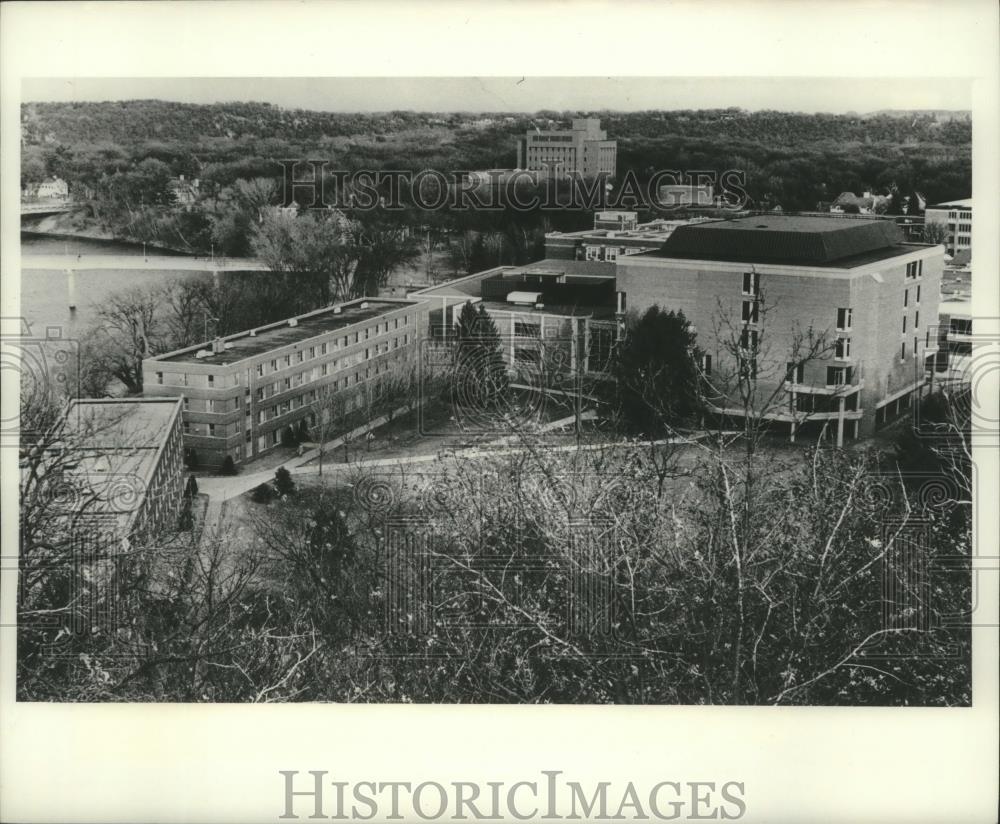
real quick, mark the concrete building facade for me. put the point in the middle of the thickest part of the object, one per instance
(241, 392)
(956, 216)
(763, 291)
(130, 463)
(584, 148)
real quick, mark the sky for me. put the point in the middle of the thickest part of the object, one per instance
(516, 94)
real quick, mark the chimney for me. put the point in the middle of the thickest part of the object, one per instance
(217, 346)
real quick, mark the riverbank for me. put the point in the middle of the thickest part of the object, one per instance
(72, 226)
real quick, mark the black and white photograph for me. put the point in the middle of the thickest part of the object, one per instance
(561, 405)
(508, 389)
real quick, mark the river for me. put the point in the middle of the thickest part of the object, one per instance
(100, 268)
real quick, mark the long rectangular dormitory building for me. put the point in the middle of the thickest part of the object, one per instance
(242, 391)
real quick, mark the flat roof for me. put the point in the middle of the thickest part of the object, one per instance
(244, 345)
(787, 239)
(121, 423)
(555, 266)
(570, 311)
(965, 203)
(117, 442)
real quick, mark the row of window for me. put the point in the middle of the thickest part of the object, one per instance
(341, 343)
(302, 355)
(325, 369)
(916, 321)
(906, 296)
(914, 269)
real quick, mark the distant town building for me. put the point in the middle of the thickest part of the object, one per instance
(956, 216)
(184, 192)
(52, 188)
(687, 196)
(242, 391)
(775, 278)
(866, 204)
(128, 465)
(616, 220)
(584, 149)
(491, 177)
(615, 234)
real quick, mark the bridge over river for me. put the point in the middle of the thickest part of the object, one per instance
(140, 263)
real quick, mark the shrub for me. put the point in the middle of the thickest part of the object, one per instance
(288, 437)
(228, 467)
(283, 481)
(262, 493)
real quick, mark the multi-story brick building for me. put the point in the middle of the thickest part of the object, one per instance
(583, 149)
(127, 464)
(956, 216)
(242, 391)
(772, 285)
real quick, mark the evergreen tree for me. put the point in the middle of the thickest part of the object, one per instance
(481, 380)
(187, 519)
(657, 373)
(228, 466)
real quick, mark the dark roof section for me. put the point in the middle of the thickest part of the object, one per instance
(784, 239)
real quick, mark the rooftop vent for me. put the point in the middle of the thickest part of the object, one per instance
(293, 321)
(364, 304)
(253, 333)
(336, 310)
(217, 346)
(202, 353)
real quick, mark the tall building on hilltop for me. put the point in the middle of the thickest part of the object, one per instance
(764, 291)
(583, 149)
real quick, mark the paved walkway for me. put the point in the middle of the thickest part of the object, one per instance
(221, 489)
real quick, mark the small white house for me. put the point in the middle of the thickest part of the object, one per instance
(53, 187)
